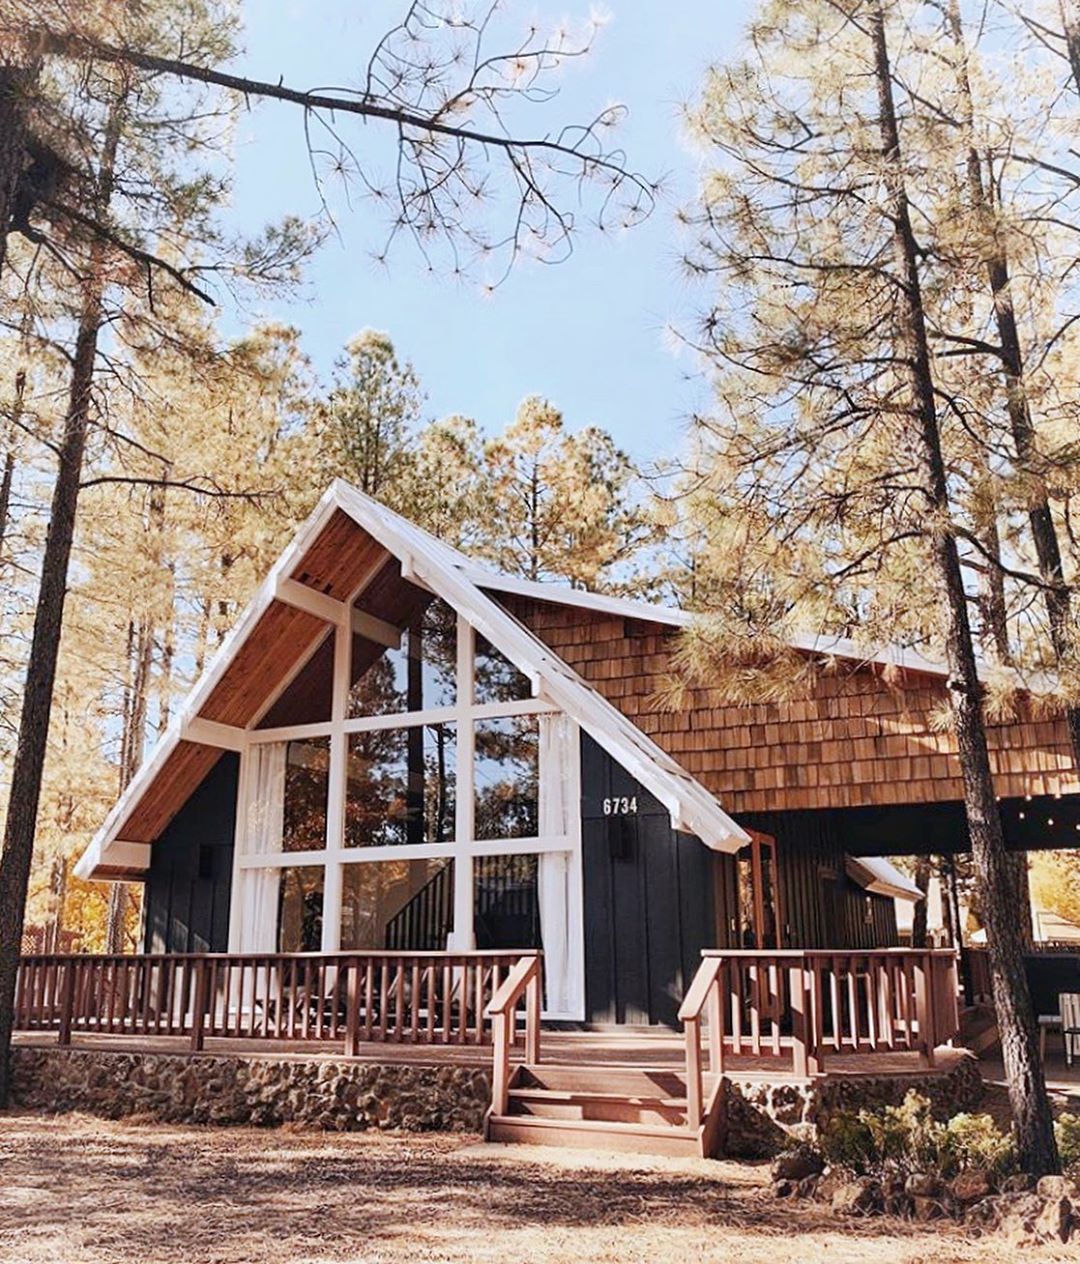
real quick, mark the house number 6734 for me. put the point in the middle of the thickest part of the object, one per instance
(620, 806)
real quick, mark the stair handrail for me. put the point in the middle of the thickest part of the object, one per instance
(523, 980)
(439, 917)
(703, 993)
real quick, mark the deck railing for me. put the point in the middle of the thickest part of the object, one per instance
(522, 984)
(803, 1006)
(398, 997)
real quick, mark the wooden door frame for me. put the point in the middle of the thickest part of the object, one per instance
(758, 840)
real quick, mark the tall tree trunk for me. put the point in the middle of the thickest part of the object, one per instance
(142, 646)
(1037, 1149)
(30, 751)
(995, 615)
(8, 476)
(58, 884)
(1057, 595)
(1022, 896)
(1070, 23)
(18, 84)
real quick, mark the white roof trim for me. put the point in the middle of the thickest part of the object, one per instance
(881, 877)
(454, 578)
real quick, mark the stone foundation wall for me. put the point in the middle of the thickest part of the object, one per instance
(803, 1108)
(348, 1096)
(338, 1095)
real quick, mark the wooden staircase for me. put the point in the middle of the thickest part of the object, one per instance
(637, 1109)
(650, 1110)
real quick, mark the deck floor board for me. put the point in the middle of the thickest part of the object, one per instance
(632, 1048)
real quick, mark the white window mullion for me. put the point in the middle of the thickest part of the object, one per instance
(463, 937)
(337, 787)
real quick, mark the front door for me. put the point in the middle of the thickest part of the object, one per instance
(758, 893)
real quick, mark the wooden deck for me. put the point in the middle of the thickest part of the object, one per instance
(768, 1017)
(660, 1050)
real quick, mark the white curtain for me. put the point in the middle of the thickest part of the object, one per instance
(558, 929)
(263, 824)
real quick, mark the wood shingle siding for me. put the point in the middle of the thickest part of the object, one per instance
(858, 739)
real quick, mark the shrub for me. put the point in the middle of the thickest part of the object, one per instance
(907, 1138)
(1067, 1131)
(974, 1142)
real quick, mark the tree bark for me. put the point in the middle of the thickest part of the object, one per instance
(28, 766)
(1037, 1149)
(1057, 594)
(140, 656)
(8, 476)
(995, 611)
(58, 884)
(1070, 24)
(17, 86)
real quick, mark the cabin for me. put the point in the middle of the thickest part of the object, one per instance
(400, 756)
(399, 749)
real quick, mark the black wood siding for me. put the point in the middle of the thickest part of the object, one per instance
(190, 878)
(649, 901)
(822, 906)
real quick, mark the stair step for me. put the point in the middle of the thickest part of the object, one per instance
(622, 1081)
(595, 1105)
(594, 1134)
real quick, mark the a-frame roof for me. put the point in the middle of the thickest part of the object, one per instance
(343, 545)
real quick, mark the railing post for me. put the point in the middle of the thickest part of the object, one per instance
(532, 1015)
(500, 1070)
(693, 1072)
(67, 1003)
(352, 1010)
(716, 1025)
(924, 1010)
(800, 1025)
(198, 1004)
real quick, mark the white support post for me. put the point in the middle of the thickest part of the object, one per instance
(463, 937)
(240, 847)
(337, 786)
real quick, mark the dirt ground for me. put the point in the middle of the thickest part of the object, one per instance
(75, 1190)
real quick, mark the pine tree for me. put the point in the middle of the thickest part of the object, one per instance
(564, 505)
(830, 441)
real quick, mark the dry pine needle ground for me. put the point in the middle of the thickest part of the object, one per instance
(75, 1190)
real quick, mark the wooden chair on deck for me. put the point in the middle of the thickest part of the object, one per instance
(1070, 1023)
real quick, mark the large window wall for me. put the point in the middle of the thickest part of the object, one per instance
(436, 808)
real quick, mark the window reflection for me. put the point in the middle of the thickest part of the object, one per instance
(400, 786)
(496, 679)
(300, 909)
(506, 911)
(507, 778)
(307, 780)
(403, 905)
(418, 676)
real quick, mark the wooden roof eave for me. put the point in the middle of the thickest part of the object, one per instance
(187, 724)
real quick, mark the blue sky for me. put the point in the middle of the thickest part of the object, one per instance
(589, 333)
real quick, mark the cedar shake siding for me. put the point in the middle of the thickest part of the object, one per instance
(856, 740)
